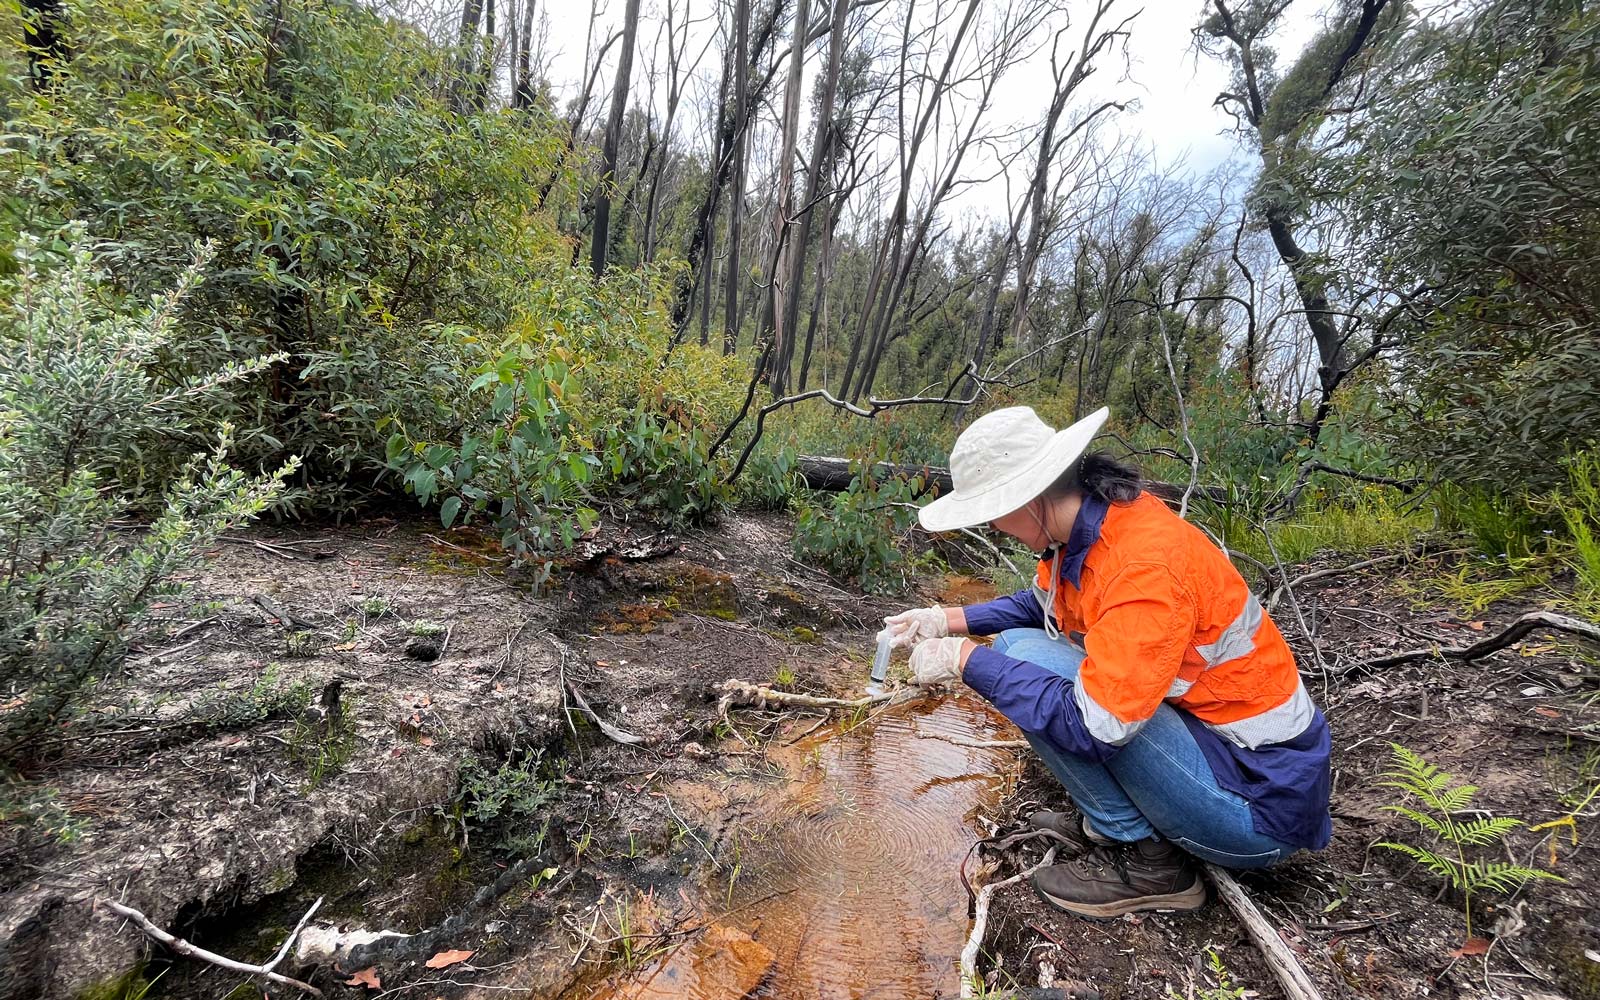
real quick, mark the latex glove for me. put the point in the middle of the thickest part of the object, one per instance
(911, 627)
(936, 661)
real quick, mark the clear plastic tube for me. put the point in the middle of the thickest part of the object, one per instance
(880, 658)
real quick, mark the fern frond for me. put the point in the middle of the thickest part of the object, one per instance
(1502, 876)
(1441, 866)
(1485, 831)
(1421, 818)
(1456, 799)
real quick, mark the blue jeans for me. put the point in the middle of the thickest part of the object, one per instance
(1158, 784)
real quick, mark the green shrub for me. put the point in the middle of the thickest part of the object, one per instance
(517, 464)
(270, 696)
(78, 402)
(1356, 521)
(1504, 525)
(506, 801)
(659, 469)
(770, 480)
(36, 811)
(859, 533)
(324, 746)
(1579, 507)
(362, 224)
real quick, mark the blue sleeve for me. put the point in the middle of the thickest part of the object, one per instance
(1039, 702)
(1019, 610)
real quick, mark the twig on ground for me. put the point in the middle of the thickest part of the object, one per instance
(747, 695)
(283, 550)
(980, 924)
(194, 627)
(285, 617)
(1283, 963)
(612, 733)
(188, 950)
(1483, 647)
(963, 742)
(509, 654)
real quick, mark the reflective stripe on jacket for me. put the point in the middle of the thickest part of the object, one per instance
(1165, 616)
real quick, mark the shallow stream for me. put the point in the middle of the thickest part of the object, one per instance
(838, 862)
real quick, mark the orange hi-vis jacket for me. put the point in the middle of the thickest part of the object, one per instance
(1166, 617)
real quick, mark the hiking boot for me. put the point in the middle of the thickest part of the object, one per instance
(1069, 829)
(1124, 878)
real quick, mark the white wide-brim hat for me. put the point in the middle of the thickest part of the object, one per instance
(1006, 458)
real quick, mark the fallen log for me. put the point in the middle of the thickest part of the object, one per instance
(1291, 975)
(744, 694)
(836, 474)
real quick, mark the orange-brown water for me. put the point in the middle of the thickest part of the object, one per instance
(843, 870)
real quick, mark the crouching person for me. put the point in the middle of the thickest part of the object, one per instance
(1141, 668)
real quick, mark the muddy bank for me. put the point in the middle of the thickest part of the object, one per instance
(383, 718)
(319, 696)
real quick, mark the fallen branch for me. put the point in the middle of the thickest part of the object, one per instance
(1283, 963)
(1483, 647)
(188, 950)
(980, 924)
(611, 732)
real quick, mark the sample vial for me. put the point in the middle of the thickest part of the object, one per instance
(880, 659)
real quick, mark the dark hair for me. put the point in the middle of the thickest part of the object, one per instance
(1100, 476)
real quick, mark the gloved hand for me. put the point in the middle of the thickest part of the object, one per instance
(936, 661)
(911, 627)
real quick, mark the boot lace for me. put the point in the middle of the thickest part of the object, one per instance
(1113, 856)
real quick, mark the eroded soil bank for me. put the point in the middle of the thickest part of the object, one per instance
(462, 792)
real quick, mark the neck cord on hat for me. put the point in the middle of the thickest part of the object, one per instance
(1049, 608)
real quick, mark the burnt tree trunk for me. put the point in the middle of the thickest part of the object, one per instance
(608, 169)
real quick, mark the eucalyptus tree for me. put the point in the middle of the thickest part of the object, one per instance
(1283, 117)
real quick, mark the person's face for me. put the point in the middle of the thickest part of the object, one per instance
(1024, 525)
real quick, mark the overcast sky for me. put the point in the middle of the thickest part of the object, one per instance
(1174, 87)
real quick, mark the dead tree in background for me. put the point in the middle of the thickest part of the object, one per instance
(676, 73)
(728, 128)
(43, 40)
(741, 97)
(522, 48)
(779, 291)
(789, 319)
(891, 248)
(1067, 80)
(608, 169)
(463, 89)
